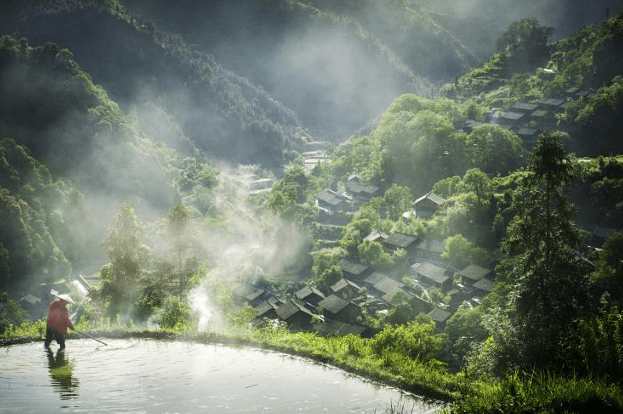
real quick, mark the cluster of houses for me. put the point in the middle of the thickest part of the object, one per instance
(366, 291)
(528, 120)
(363, 290)
(334, 205)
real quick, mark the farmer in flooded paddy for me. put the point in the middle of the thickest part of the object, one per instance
(58, 321)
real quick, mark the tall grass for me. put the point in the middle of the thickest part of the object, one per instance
(541, 392)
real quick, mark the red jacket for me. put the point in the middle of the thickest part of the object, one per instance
(58, 317)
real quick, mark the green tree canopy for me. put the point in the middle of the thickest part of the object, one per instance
(526, 41)
(549, 283)
(127, 255)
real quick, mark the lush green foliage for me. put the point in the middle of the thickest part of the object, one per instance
(543, 393)
(550, 284)
(31, 236)
(175, 314)
(127, 255)
(11, 313)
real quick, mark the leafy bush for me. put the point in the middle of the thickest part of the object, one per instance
(175, 314)
(414, 341)
(540, 393)
(11, 313)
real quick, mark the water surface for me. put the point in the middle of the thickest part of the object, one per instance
(151, 376)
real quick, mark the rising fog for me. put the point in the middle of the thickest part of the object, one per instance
(333, 82)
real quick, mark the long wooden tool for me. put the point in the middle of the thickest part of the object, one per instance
(89, 336)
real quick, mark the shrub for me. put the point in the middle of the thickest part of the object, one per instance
(175, 314)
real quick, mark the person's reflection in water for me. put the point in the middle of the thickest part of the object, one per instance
(61, 371)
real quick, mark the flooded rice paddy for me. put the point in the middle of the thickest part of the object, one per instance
(151, 376)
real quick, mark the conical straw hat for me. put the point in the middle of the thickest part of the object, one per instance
(65, 297)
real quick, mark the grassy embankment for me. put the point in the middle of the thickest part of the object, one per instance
(517, 393)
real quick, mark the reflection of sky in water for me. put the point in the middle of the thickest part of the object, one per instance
(147, 376)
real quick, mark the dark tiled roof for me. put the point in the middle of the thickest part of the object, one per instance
(359, 188)
(388, 285)
(343, 283)
(484, 284)
(432, 245)
(474, 272)
(431, 271)
(375, 278)
(388, 296)
(248, 292)
(551, 101)
(439, 315)
(308, 291)
(511, 116)
(539, 113)
(291, 308)
(432, 197)
(352, 268)
(331, 197)
(523, 106)
(333, 304)
(400, 240)
(376, 235)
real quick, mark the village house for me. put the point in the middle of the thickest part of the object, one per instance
(361, 192)
(260, 184)
(586, 93)
(346, 289)
(571, 92)
(342, 328)
(375, 304)
(427, 205)
(296, 315)
(508, 119)
(523, 107)
(34, 305)
(379, 285)
(354, 271)
(543, 117)
(550, 104)
(440, 317)
(309, 295)
(432, 275)
(459, 294)
(484, 286)
(470, 124)
(419, 304)
(390, 290)
(371, 280)
(430, 249)
(397, 241)
(313, 159)
(528, 135)
(336, 308)
(249, 294)
(376, 236)
(576, 93)
(333, 201)
(473, 273)
(268, 309)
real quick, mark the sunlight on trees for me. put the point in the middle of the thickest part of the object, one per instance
(550, 290)
(127, 255)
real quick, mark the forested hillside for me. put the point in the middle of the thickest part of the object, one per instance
(337, 169)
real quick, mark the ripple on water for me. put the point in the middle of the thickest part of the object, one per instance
(150, 376)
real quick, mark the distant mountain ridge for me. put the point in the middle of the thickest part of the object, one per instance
(135, 59)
